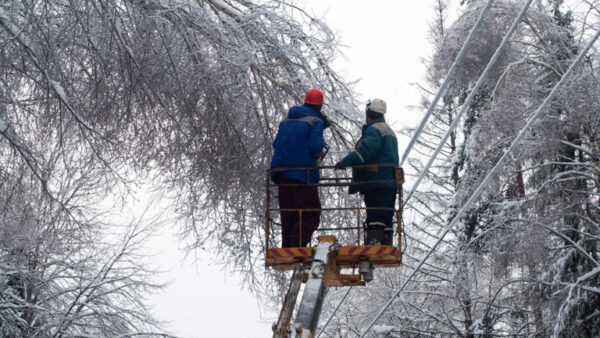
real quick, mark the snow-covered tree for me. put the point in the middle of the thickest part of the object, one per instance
(523, 261)
(98, 97)
(504, 246)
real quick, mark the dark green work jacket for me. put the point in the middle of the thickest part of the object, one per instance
(377, 145)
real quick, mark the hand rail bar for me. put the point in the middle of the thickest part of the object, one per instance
(338, 182)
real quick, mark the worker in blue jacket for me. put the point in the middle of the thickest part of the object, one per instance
(377, 145)
(299, 143)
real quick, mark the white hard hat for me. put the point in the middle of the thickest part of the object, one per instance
(377, 105)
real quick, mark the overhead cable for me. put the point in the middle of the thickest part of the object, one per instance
(334, 311)
(446, 82)
(536, 115)
(432, 106)
(467, 104)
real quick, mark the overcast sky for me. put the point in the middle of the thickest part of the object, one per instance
(384, 44)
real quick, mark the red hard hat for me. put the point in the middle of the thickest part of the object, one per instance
(314, 96)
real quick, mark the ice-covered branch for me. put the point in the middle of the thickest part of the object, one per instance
(577, 247)
(225, 8)
(19, 35)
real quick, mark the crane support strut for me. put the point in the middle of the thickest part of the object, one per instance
(281, 329)
(320, 271)
(307, 317)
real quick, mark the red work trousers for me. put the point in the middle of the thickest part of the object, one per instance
(297, 227)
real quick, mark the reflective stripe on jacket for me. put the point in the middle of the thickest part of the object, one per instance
(299, 143)
(377, 145)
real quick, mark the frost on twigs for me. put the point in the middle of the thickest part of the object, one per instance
(481, 48)
(524, 259)
(105, 95)
(3, 126)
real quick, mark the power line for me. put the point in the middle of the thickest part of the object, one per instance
(334, 311)
(421, 126)
(538, 113)
(446, 82)
(468, 101)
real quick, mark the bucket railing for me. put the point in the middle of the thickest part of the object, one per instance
(331, 181)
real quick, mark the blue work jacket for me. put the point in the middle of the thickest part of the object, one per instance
(299, 143)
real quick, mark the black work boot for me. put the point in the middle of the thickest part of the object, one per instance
(388, 235)
(374, 233)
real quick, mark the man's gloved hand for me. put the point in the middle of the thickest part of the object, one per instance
(340, 165)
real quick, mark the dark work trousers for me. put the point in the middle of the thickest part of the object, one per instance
(299, 197)
(380, 198)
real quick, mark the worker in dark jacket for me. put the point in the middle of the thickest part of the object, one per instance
(299, 143)
(377, 184)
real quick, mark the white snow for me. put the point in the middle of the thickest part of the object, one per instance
(59, 91)
(3, 126)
